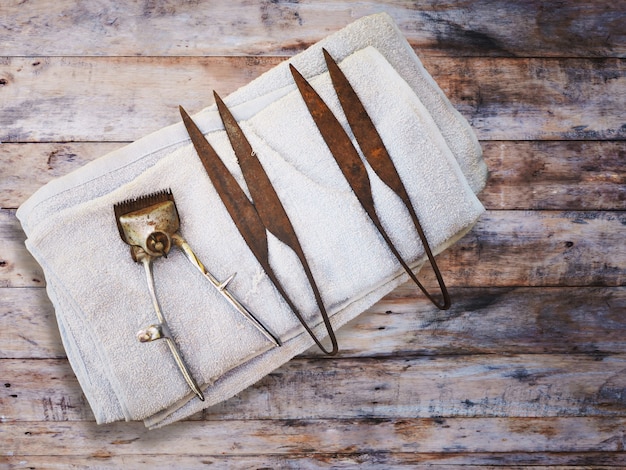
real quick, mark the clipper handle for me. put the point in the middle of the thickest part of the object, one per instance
(180, 242)
(161, 331)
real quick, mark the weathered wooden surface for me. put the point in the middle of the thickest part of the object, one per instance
(534, 385)
(372, 460)
(311, 436)
(581, 99)
(554, 320)
(170, 28)
(527, 368)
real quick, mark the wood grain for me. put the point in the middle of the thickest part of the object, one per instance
(17, 267)
(525, 371)
(491, 321)
(29, 326)
(382, 460)
(283, 27)
(500, 321)
(259, 437)
(537, 248)
(535, 385)
(578, 175)
(85, 98)
(24, 168)
(536, 99)
(504, 249)
(88, 99)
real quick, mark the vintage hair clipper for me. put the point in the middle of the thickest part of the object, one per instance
(149, 224)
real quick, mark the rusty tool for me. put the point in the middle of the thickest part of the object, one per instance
(167, 237)
(150, 225)
(353, 167)
(254, 219)
(147, 225)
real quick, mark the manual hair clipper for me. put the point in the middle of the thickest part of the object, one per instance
(150, 224)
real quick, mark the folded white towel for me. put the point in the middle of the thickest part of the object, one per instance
(100, 294)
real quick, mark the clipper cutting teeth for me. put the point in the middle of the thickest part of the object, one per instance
(132, 205)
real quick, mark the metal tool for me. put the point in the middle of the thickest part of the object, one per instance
(353, 167)
(147, 225)
(173, 236)
(150, 226)
(253, 220)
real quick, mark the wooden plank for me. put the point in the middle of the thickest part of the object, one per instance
(504, 249)
(462, 386)
(63, 99)
(539, 175)
(535, 385)
(503, 28)
(67, 99)
(28, 326)
(261, 437)
(24, 168)
(536, 99)
(537, 248)
(49, 389)
(586, 320)
(374, 461)
(491, 321)
(577, 175)
(17, 267)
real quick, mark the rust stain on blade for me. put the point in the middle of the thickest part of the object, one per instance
(353, 167)
(378, 157)
(266, 201)
(252, 219)
(237, 203)
(273, 215)
(238, 207)
(338, 142)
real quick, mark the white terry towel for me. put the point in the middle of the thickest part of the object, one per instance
(100, 294)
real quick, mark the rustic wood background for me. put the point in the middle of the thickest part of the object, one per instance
(529, 366)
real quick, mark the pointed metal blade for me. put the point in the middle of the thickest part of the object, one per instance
(338, 142)
(237, 204)
(352, 167)
(266, 201)
(364, 130)
(241, 211)
(273, 214)
(378, 157)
